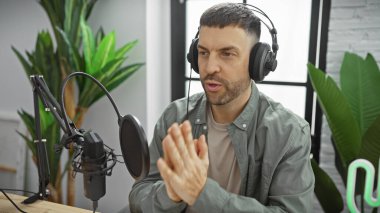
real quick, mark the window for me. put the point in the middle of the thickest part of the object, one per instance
(300, 40)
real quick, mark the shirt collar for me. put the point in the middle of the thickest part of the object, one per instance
(202, 109)
(246, 116)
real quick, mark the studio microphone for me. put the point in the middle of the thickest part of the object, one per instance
(95, 154)
(94, 161)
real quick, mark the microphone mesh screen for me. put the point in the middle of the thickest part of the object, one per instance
(134, 147)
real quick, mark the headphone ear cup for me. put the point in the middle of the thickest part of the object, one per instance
(192, 55)
(260, 55)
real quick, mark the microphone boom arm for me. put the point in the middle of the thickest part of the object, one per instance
(41, 90)
(87, 144)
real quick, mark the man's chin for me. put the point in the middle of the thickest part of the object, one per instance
(215, 100)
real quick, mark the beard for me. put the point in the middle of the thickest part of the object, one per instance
(232, 89)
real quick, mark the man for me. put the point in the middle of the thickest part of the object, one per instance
(235, 150)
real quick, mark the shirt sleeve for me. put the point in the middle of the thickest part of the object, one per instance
(149, 194)
(291, 188)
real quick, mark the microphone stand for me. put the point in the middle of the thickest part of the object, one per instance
(89, 141)
(41, 90)
(87, 144)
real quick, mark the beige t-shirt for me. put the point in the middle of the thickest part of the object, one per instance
(223, 167)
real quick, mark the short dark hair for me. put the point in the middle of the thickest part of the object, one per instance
(232, 14)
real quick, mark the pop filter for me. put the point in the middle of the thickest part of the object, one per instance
(134, 146)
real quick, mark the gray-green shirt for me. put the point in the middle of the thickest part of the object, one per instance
(272, 146)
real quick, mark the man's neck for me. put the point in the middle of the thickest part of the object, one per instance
(227, 113)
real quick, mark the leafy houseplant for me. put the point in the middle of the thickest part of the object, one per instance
(78, 49)
(353, 115)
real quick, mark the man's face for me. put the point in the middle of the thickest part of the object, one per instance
(223, 57)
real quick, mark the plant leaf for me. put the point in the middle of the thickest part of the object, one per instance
(104, 50)
(345, 129)
(25, 64)
(90, 88)
(326, 191)
(120, 76)
(99, 36)
(360, 84)
(28, 120)
(88, 46)
(370, 149)
(72, 55)
(29, 143)
(90, 6)
(124, 49)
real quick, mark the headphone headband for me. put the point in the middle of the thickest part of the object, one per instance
(272, 31)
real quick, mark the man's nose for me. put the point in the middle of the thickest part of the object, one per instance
(213, 64)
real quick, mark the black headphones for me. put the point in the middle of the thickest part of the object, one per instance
(261, 59)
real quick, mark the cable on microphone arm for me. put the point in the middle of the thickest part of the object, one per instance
(62, 104)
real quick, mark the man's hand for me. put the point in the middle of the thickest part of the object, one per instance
(185, 164)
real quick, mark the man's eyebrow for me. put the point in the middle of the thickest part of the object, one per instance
(201, 47)
(222, 49)
(229, 48)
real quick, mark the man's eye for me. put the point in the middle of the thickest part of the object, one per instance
(227, 54)
(203, 53)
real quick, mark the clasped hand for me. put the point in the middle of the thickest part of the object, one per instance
(185, 164)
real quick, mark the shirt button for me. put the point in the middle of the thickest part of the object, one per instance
(244, 126)
(198, 120)
(204, 127)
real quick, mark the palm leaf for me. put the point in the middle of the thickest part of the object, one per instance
(72, 53)
(120, 76)
(28, 120)
(345, 130)
(104, 50)
(27, 67)
(88, 45)
(328, 195)
(109, 70)
(90, 88)
(99, 36)
(370, 149)
(73, 28)
(124, 49)
(29, 143)
(360, 84)
(55, 12)
(90, 6)
(52, 135)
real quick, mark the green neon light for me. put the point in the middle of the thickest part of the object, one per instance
(369, 182)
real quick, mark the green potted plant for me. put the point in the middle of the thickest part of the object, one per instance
(353, 115)
(77, 49)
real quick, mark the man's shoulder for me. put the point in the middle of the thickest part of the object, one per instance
(280, 129)
(179, 107)
(275, 114)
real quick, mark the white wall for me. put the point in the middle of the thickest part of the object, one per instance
(355, 27)
(20, 21)
(144, 95)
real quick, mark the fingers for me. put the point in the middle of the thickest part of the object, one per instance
(165, 172)
(177, 136)
(188, 135)
(164, 169)
(167, 152)
(171, 154)
(203, 148)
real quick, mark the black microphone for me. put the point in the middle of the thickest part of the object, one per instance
(94, 157)
(94, 161)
